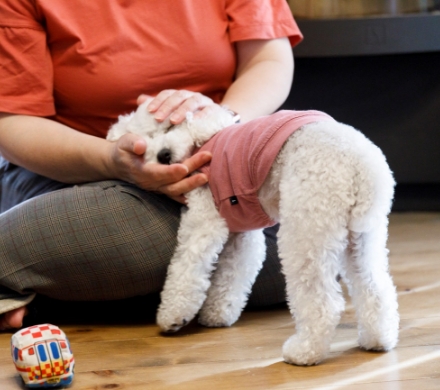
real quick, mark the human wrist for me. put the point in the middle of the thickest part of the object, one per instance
(235, 116)
(106, 164)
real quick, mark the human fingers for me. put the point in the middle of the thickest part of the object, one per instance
(213, 109)
(197, 160)
(160, 99)
(172, 180)
(126, 158)
(176, 103)
(178, 190)
(156, 176)
(127, 163)
(193, 103)
(142, 98)
(132, 143)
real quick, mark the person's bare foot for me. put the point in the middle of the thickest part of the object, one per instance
(13, 318)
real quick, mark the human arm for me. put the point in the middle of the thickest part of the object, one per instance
(63, 154)
(263, 79)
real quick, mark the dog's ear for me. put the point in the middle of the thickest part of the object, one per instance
(129, 123)
(140, 122)
(117, 130)
(202, 129)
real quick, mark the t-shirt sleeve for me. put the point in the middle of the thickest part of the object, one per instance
(261, 19)
(26, 72)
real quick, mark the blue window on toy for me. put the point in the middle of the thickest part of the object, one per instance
(42, 352)
(15, 353)
(54, 349)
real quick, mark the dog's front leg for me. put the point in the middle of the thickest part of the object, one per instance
(201, 236)
(238, 267)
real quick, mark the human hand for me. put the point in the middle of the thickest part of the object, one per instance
(172, 180)
(176, 103)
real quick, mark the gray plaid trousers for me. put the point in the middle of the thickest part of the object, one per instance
(97, 241)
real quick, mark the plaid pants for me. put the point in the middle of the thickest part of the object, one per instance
(106, 240)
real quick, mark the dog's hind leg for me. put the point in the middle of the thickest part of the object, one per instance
(365, 266)
(201, 236)
(311, 239)
(310, 253)
(237, 268)
(371, 288)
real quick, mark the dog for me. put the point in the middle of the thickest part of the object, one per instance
(328, 186)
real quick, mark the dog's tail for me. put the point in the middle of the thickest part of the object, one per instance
(374, 183)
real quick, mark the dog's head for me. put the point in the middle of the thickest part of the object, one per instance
(139, 122)
(168, 144)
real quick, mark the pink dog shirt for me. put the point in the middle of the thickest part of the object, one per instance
(242, 156)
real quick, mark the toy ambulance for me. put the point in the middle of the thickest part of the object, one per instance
(42, 356)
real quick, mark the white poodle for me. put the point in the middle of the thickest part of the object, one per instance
(329, 188)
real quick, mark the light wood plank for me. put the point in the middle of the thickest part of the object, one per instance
(248, 355)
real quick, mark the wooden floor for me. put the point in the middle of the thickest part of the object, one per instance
(247, 355)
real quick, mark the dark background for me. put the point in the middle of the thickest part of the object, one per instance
(391, 94)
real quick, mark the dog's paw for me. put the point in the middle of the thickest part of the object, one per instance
(217, 316)
(169, 323)
(213, 322)
(177, 309)
(174, 327)
(303, 352)
(382, 342)
(379, 332)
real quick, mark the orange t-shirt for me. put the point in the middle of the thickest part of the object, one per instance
(84, 62)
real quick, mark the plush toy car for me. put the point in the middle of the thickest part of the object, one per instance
(42, 356)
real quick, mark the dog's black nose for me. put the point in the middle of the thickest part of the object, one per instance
(164, 156)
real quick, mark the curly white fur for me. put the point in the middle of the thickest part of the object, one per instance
(331, 190)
